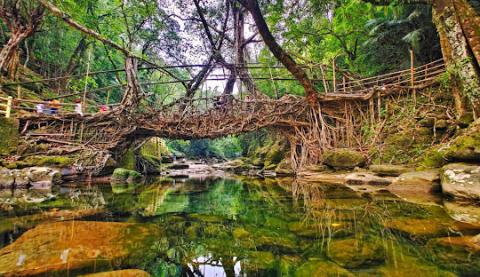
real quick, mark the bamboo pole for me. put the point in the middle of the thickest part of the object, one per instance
(412, 77)
(334, 72)
(8, 111)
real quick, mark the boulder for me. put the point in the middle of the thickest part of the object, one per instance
(366, 179)
(21, 178)
(389, 169)
(354, 253)
(424, 182)
(7, 179)
(43, 177)
(122, 175)
(69, 245)
(461, 182)
(344, 159)
(120, 273)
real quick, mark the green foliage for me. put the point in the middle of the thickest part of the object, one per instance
(225, 148)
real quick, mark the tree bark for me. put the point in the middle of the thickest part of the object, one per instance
(300, 74)
(9, 55)
(458, 53)
(133, 90)
(21, 26)
(240, 49)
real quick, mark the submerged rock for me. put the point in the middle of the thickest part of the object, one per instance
(354, 253)
(404, 265)
(457, 253)
(259, 260)
(322, 268)
(463, 212)
(74, 245)
(344, 159)
(461, 182)
(120, 273)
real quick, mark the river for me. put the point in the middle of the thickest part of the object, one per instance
(229, 227)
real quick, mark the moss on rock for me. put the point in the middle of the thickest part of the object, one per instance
(122, 175)
(10, 136)
(354, 253)
(344, 159)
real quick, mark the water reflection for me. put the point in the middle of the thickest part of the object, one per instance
(240, 227)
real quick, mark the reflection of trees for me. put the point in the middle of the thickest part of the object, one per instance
(337, 211)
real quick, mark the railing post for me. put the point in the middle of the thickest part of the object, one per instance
(8, 111)
(334, 75)
(412, 76)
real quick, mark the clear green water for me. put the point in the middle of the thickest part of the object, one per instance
(242, 227)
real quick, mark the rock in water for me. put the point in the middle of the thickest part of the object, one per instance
(389, 169)
(353, 253)
(461, 182)
(125, 176)
(43, 177)
(322, 268)
(87, 243)
(344, 159)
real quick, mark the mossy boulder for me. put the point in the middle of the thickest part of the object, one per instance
(41, 161)
(354, 253)
(10, 136)
(122, 175)
(276, 152)
(464, 148)
(344, 159)
(128, 160)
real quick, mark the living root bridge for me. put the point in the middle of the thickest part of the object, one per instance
(336, 122)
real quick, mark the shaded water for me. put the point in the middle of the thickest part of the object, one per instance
(237, 227)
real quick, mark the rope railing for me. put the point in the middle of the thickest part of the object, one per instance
(422, 76)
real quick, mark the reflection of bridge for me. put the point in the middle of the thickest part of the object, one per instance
(206, 118)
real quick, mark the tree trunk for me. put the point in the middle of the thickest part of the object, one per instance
(74, 62)
(9, 55)
(458, 53)
(133, 90)
(298, 72)
(240, 48)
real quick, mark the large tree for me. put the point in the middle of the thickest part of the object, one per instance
(22, 17)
